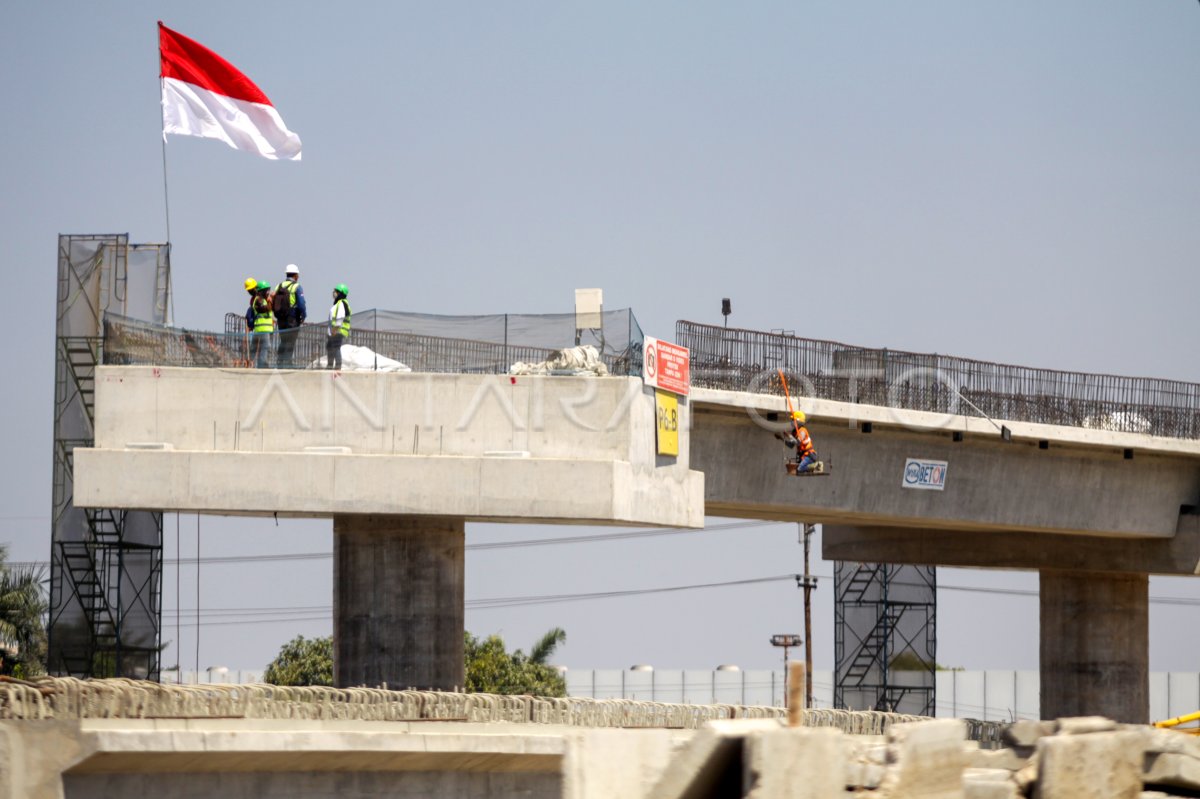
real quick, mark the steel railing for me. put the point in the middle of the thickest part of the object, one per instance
(749, 360)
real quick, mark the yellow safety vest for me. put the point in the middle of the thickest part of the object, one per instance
(264, 320)
(344, 326)
(288, 286)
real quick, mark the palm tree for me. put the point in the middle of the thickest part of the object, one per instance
(22, 618)
(545, 646)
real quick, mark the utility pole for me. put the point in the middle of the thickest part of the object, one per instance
(808, 583)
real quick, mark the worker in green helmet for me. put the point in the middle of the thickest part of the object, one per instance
(260, 321)
(339, 327)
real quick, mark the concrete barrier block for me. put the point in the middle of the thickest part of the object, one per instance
(598, 764)
(705, 763)
(1083, 725)
(1174, 770)
(1157, 741)
(1100, 765)
(795, 763)
(863, 776)
(1007, 758)
(926, 760)
(1026, 732)
(989, 783)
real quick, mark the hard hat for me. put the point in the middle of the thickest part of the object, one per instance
(340, 288)
(251, 284)
(263, 285)
(291, 269)
(798, 416)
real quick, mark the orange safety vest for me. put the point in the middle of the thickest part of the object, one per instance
(804, 445)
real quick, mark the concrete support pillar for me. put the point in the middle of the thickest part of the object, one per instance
(1095, 645)
(398, 601)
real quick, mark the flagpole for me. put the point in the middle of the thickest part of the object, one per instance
(166, 195)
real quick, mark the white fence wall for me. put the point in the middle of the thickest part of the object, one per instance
(694, 687)
(986, 695)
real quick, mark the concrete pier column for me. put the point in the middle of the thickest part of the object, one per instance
(1095, 645)
(398, 601)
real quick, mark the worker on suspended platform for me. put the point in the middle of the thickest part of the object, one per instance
(806, 453)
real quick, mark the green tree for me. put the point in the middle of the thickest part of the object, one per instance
(492, 669)
(22, 619)
(302, 661)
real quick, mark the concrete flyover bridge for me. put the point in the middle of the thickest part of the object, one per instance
(1093, 481)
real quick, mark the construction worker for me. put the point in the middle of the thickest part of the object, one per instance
(260, 321)
(251, 286)
(806, 454)
(339, 327)
(290, 312)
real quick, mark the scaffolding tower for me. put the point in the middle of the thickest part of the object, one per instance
(885, 637)
(105, 563)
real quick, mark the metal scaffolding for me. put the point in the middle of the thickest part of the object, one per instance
(885, 637)
(105, 564)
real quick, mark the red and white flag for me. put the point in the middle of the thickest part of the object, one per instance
(205, 95)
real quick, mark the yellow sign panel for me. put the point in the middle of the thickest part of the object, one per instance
(666, 408)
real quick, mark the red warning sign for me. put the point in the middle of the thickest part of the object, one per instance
(666, 366)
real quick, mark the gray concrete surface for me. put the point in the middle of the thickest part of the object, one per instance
(231, 758)
(471, 446)
(1178, 555)
(398, 611)
(990, 485)
(318, 784)
(1095, 644)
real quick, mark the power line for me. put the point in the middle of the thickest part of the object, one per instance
(580, 539)
(246, 615)
(527, 542)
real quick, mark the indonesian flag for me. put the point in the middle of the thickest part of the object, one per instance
(205, 95)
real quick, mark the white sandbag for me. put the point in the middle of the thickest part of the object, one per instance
(584, 360)
(363, 359)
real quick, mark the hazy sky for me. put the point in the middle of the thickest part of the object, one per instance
(1014, 181)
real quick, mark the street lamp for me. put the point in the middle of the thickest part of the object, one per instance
(787, 641)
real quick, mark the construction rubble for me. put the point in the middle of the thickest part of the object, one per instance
(1073, 758)
(61, 737)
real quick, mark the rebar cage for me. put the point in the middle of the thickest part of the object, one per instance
(741, 360)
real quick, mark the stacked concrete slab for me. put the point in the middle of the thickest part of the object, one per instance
(1089, 758)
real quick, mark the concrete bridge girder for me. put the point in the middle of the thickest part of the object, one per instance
(315, 443)
(990, 485)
